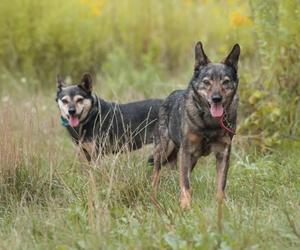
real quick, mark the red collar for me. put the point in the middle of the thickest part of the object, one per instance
(221, 123)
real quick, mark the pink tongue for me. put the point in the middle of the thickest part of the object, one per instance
(73, 121)
(216, 110)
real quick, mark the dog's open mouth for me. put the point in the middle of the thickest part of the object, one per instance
(216, 110)
(73, 120)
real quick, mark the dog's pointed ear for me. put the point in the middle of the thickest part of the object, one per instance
(200, 57)
(233, 57)
(60, 81)
(86, 82)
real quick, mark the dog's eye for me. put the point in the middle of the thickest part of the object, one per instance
(226, 82)
(79, 100)
(206, 82)
(64, 101)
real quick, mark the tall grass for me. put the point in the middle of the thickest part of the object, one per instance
(49, 199)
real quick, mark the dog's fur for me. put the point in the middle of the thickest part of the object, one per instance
(101, 127)
(187, 127)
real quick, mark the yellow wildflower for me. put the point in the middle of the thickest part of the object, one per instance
(95, 6)
(237, 19)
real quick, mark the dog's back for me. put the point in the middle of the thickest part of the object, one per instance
(132, 124)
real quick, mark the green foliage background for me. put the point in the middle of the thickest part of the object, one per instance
(138, 49)
(141, 45)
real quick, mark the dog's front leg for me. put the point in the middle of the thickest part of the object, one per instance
(90, 152)
(185, 160)
(222, 152)
(82, 154)
(87, 155)
(186, 164)
(222, 158)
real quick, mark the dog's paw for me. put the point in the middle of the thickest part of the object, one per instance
(186, 199)
(220, 196)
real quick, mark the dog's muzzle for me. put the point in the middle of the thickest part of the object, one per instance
(216, 98)
(216, 108)
(72, 111)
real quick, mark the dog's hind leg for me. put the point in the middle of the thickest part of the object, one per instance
(156, 171)
(161, 153)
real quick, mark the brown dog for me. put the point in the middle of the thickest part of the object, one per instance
(199, 120)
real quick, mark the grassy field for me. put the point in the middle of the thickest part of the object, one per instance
(51, 200)
(135, 49)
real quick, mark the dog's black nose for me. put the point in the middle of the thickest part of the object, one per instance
(216, 98)
(72, 111)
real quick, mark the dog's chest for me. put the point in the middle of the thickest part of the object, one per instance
(205, 142)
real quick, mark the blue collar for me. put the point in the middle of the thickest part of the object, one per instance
(64, 121)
